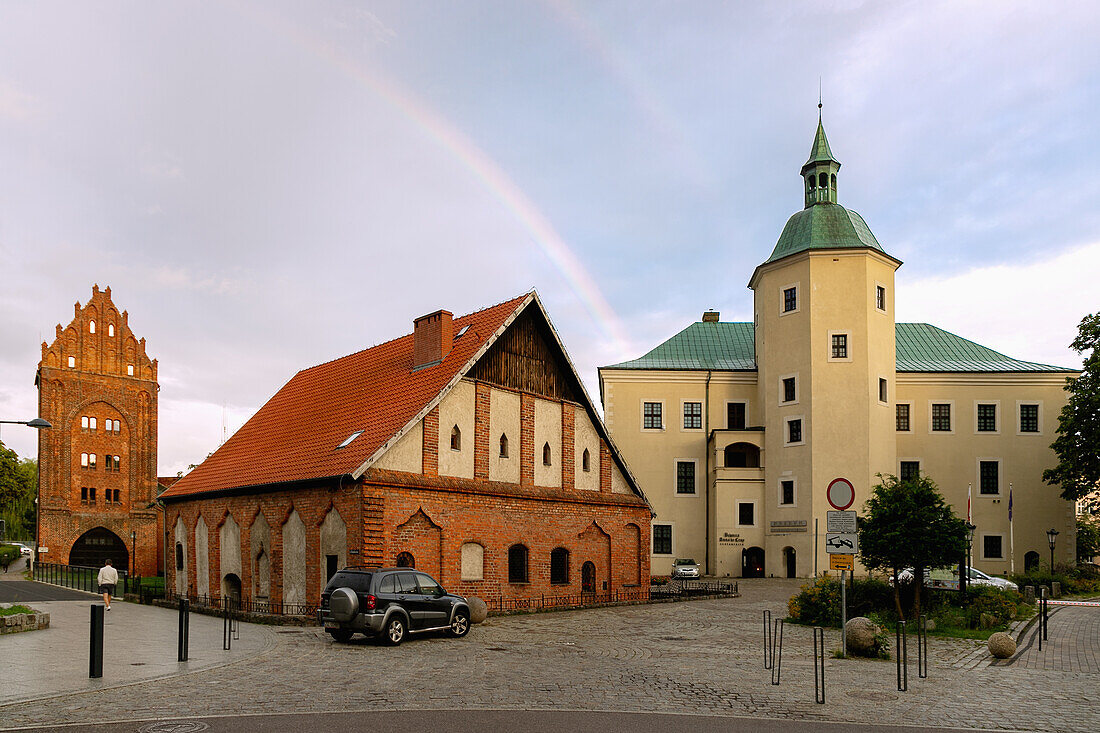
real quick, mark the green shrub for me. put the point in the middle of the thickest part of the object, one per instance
(1074, 579)
(8, 555)
(817, 603)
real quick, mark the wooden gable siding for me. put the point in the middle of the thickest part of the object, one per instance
(525, 358)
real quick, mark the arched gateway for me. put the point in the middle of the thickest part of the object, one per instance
(98, 545)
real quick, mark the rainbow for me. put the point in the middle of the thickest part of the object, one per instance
(483, 168)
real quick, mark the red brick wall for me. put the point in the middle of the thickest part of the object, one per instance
(481, 430)
(430, 443)
(526, 439)
(605, 467)
(568, 446)
(98, 386)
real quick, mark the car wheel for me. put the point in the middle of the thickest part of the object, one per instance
(395, 630)
(341, 635)
(460, 624)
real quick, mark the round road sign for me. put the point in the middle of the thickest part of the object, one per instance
(841, 494)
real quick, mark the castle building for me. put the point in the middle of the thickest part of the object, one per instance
(97, 466)
(468, 449)
(735, 430)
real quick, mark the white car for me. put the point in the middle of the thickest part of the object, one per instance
(23, 549)
(949, 578)
(685, 567)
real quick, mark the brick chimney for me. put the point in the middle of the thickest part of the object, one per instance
(433, 336)
(710, 316)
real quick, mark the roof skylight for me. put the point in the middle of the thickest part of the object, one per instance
(350, 438)
(462, 330)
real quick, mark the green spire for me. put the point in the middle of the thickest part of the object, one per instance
(820, 152)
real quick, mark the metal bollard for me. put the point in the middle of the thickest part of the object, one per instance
(768, 661)
(922, 647)
(227, 636)
(902, 657)
(184, 630)
(819, 665)
(777, 657)
(95, 646)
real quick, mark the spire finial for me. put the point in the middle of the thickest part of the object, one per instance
(819, 99)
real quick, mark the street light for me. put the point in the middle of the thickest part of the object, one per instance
(964, 576)
(1052, 538)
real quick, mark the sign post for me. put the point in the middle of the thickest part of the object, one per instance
(842, 544)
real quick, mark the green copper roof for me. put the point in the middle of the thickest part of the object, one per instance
(820, 152)
(824, 226)
(920, 348)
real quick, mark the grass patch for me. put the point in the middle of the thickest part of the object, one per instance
(13, 610)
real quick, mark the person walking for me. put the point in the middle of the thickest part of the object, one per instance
(108, 578)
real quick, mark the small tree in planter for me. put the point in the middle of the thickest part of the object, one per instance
(908, 524)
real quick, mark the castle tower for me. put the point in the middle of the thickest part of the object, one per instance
(825, 351)
(97, 467)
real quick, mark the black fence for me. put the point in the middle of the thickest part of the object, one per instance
(236, 605)
(77, 577)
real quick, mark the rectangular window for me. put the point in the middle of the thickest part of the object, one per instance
(651, 416)
(91, 423)
(72, 362)
(840, 346)
(941, 418)
(1029, 418)
(83, 460)
(693, 415)
(746, 513)
(685, 477)
(794, 431)
(84, 494)
(735, 416)
(786, 492)
(909, 470)
(84, 423)
(91, 495)
(790, 299)
(662, 539)
(989, 477)
(993, 547)
(902, 412)
(880, 297)
(116, 496)
(129, 370)
(91, 460)
(987, 418)
(882, 391)
(788, 389)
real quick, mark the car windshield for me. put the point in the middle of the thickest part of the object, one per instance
(685, 561)
(978, 574)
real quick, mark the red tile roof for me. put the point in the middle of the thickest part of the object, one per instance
(294, 436)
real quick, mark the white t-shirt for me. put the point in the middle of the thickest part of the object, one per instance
(108, 575)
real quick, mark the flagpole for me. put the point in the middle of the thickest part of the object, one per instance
(1011, 536)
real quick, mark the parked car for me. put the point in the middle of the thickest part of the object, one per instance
(390, 603)
(949, 578)
(23, 549)
(685, 567)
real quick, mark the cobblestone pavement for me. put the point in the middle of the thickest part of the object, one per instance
(703, 657)
(1073, 642)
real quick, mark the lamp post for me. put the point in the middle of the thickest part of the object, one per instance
(1052, 538)
(964, 576)
(38, 424)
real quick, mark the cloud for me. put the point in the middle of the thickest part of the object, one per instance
(1027, 310)
(16, 104)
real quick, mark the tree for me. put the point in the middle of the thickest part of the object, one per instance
(1078, 469)
(908, 524)
(18, 483)
(1088, 537)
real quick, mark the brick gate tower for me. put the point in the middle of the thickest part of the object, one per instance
(97, 466)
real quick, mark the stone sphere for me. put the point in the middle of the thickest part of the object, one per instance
(861, 635)
(478, 609)
(1001, 645)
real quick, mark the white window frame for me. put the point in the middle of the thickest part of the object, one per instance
(1000, 476)
(91, 326)
(129, 370)
(1021, 403)
(72, 362)
(83, 422)
(779, 492)
(676, 478)
(110, 330)
(787, 430)
(954, 417)
(737, 402)
(911, 415)
(797, 299)
(781, 403)
(829, 345)
(737, 513)
(878, 397)
(641, 416)
(672, 543)
(997, 423)
(683, 404)
(1004, 548)
(885, 297)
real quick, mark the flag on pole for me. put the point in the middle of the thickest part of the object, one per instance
(968, 488)
(1010, 502)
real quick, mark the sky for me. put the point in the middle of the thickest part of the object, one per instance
(269, 185)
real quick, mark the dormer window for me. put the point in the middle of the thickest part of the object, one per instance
(456, 438)
(462, 330)
(503, 445)
(91, 326)
(347, 441)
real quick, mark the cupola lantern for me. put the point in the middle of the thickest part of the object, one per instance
(820, 170)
